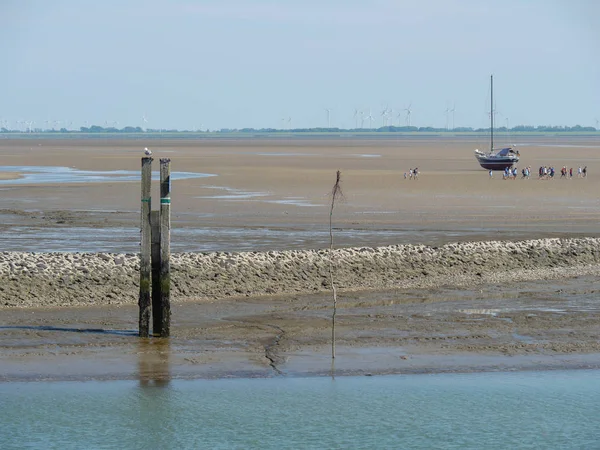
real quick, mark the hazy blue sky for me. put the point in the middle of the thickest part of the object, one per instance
(250, 63)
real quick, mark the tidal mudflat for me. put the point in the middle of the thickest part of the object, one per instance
(460, 313)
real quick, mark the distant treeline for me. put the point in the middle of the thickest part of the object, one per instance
(388, 129)
(407, 129)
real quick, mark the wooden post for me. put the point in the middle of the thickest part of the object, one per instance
(165, 245)
(156, 308)
(144, 298)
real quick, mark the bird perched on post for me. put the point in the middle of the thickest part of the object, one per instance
(147, 151)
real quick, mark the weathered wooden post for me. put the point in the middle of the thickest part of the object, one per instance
(165, 245)
(144, 297)
(156, 307)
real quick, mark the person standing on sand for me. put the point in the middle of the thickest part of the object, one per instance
(584, 171)
(491, 173)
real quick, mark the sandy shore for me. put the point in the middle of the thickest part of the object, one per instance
(516, 293)
(285, 184)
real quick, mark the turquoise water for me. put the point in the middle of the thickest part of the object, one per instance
(450, 411)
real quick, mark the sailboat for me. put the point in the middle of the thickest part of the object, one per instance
(496, 159)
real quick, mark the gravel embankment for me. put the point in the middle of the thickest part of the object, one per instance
(70, 279)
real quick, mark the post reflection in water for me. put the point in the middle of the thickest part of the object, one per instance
(153, 362)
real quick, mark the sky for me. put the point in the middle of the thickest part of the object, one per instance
(281, 64)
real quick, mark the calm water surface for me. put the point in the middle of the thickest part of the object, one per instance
(53, 174)
(450, 411)
(209, 239)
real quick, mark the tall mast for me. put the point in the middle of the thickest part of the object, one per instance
(492, 111)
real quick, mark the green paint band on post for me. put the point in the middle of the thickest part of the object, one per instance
(165, 201)
(146, 200)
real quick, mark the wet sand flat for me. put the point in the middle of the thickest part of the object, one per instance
(525, 326)
(283, 185)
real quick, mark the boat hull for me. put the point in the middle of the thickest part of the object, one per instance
(498, 160)
(496, 164)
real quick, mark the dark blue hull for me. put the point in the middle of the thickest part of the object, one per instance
(498, 160)
(496, 163)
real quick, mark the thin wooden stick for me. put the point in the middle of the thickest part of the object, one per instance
(336, 193)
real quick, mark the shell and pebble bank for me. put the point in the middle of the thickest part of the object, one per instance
(77, 279)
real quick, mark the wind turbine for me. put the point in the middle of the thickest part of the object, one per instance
(356, 118)
(384, 116)
(408, 112)
(447, 112)
(328, 117)
(597, 122)
(144, 120)
(289, 123)
(362, 119)
(399, 116)
(452, 111)
(370, 119)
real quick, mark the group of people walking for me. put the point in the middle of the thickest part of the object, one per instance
(550, 172)
(544, 172)
(413, 174)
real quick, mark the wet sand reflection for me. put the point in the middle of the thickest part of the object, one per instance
(154, 362)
